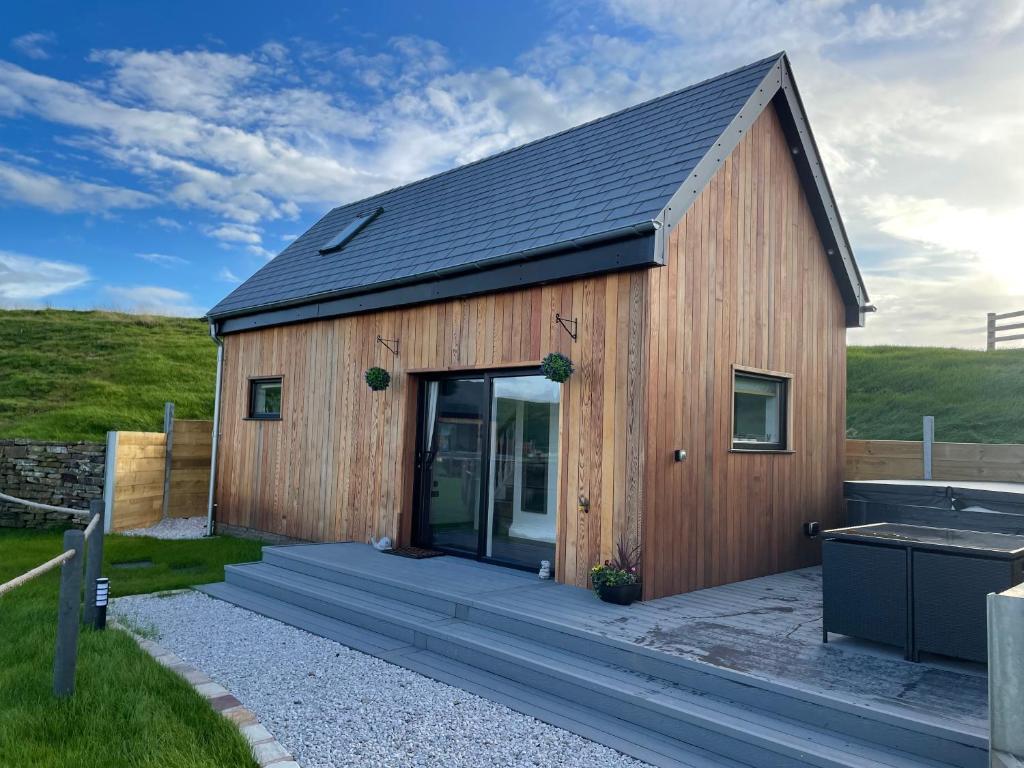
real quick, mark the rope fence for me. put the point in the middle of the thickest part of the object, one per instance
(83, 550)
(44, 507)
(39, 570)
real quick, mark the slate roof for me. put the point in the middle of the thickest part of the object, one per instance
(604, 176)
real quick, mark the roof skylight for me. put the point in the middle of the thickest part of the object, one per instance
(351, 230)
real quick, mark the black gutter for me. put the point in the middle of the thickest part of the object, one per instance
(529, 268)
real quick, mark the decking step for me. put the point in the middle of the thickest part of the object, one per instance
(369, 611)
(625, 737)
(293, 559)
(740, 732)
(349, 635)
(889, 730)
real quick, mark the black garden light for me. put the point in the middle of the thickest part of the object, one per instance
(102, 593)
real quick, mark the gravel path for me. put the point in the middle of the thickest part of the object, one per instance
(333, 706)
(173, 528)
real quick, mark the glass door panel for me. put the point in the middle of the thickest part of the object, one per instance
(522, 471)
(452, 462)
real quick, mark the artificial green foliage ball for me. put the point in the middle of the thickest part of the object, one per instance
(556, 367)
(378, 378)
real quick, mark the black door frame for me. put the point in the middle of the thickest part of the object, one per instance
(421, 503)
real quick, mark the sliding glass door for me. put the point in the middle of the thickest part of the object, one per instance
(452, 463)
(488, 463)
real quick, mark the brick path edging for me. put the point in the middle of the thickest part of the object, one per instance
(266, 750)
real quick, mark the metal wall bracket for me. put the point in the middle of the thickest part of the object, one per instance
(573, 332)
(387, 344)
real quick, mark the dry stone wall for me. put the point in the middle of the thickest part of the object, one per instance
(62, 474)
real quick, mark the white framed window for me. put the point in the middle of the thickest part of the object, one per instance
(760, 410)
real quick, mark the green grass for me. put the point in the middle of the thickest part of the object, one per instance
(975, 397)
(127, 710)
(76, 375)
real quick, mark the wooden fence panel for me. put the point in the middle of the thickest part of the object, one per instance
(904, 460)
(190, 468)
(138, 480)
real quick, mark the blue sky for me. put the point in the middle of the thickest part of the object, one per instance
(153, 155)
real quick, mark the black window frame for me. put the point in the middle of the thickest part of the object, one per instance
(783, 444)
(254, 383)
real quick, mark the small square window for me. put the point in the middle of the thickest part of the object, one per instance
(759, 418)
(265, 399)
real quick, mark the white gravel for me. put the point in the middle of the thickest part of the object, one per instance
(332, 706)
(173, 528)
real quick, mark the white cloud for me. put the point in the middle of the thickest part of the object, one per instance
(991, 238)
(33, 44)
(62, 195)
(237, 233)
(26, 278)
(916, 107)
(166, 223)
(153, 300)
(162, 259)
(259, 250)
(228, 276)
(192, 81)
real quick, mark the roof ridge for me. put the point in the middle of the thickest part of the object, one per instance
(550, 136)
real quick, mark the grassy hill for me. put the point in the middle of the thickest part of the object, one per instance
(74, 375)
(975, 397)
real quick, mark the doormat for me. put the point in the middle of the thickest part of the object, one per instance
(416, 553)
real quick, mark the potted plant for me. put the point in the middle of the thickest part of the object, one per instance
(618, 580)
(378, 378)
(556, 367)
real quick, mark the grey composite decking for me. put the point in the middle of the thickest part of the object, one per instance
(734, 675)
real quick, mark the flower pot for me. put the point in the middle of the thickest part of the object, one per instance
(621, 594)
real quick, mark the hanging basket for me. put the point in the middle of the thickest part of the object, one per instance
(378, 379)
(556, 367)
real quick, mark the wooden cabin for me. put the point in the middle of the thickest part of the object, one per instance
(686, 255)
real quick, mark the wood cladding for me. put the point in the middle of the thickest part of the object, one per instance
(339, 463)
(746, 283)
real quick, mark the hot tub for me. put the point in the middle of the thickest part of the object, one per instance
(972, 506)
(919, 587)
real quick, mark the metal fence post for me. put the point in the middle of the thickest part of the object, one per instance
(929, 441)
(66, 648)
(93, 562)
(168, 454)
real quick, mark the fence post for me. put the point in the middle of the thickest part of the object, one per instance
(1006, 676)
(66, 648)
(929, 440)
(990, 342)
(110, 480)
(93, 562)
(168, 450)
